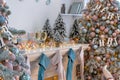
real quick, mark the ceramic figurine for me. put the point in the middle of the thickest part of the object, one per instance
(63, 9)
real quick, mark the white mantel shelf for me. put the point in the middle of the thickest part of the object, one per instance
(35, 54)
(74, 15)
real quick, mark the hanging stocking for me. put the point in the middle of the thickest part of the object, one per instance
(43, 63)
(81, 55)
(106, 73)
(57, 61)
(71, 56)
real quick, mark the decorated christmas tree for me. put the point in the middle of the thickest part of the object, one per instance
(59, 30)
(47, 28)
(13, 66)
(75, 31)
(101, 29)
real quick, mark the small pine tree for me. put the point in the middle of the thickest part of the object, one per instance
(59, 29)
(74, 32)
(47, 28)
(57, 37)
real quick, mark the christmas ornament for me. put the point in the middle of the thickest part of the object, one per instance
(95, 46)
(17, 68)
(2, 2)
(106, 30)
(12, 57)
(94, 17)
(118, 26)
(103, 18)
(97, 30)
(1, 78)
(102, 28)
(108, 21)
(114, 34)
(2, 20)
(84, 30)
(25, 77)
(88, 24)
(8, 64)
(110, 32)
(112, 22)
(92, 34)
(108, 4)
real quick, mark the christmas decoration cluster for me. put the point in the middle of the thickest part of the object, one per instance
(100, 27)
(13, 66)
(58, 33)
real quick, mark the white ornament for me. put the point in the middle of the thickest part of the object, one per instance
(118, 16)
(109, 42)
(110, 15)
(116, 43)
(97, 7)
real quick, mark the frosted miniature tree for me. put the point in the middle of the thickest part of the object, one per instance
(59, 29)
(47, 28)
(75, 31)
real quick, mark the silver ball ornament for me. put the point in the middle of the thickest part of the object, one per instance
(95, 46)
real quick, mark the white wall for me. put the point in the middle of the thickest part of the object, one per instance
(31, 15)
